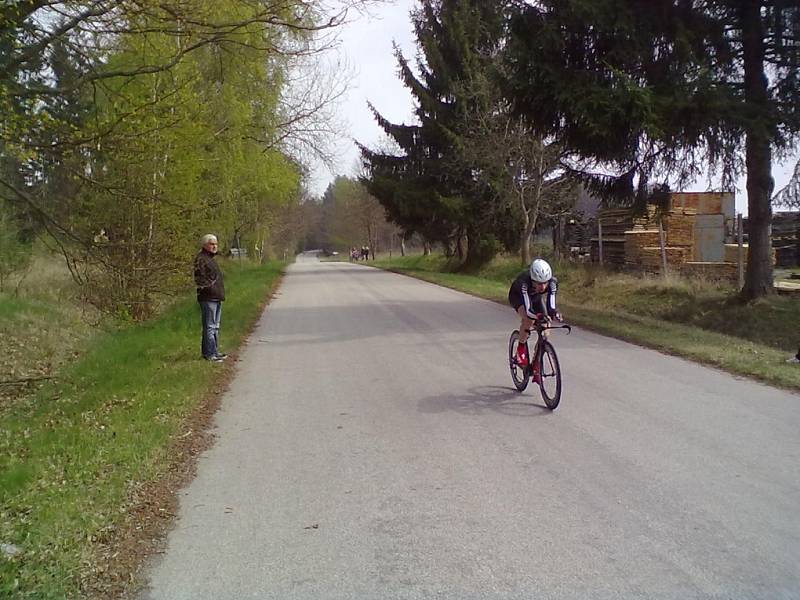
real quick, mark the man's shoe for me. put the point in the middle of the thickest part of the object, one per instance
(522, 359)
(214, 359)
(221, 355)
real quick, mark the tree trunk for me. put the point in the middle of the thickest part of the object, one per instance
(527, 232)
(525, 240)
(758, 157)
(426, 248)
(559, 249)
(402, 246)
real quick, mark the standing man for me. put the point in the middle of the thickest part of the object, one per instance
(210, 294)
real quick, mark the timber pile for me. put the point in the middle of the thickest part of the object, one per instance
(786, 238)
(636, 241)
(698, 203)
(613, 250)
(650, 257)
(679, 228)
(711, 270)
(732, 253)
(647, 221)
(614, 222)
(578, 234)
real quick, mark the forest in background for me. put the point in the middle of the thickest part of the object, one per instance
(520, 104)
(129, 128)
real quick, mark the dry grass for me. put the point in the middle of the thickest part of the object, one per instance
(44, 327)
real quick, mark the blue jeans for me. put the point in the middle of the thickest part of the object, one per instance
(211, 311)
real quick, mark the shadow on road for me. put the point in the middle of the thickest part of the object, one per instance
(483, 399)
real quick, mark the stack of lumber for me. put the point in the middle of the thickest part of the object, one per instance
(633, 240)
(711, 270)
(786, 238)
(732, 253)
(613, 250)
(679, 228)
(615, 221)
(647, 221)
(636, 241)
(650, 257)
(698, 203)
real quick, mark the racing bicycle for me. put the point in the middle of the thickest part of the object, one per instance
(542, 365)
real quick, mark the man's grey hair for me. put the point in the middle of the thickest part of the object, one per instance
(209, 237)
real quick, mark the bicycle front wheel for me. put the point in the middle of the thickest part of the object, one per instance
(550, 371)
(519, 375)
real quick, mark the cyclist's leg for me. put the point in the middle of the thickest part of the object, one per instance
(536, 362)
(518, 304)
(525, 324)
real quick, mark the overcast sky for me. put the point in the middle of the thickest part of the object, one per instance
(366, 45)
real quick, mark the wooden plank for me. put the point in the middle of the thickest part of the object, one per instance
(701, 202)
(679, 229)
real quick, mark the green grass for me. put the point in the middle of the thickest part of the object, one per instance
(69, 458)
(697, 319)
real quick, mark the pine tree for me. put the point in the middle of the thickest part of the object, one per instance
(429, 187)
(657, 88)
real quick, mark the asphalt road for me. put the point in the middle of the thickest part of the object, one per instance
(372, 446)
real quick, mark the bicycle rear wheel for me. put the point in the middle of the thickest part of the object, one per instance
(519, 375)
(550, 372)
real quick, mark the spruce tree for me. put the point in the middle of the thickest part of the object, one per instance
(658, 88)
(428, 187)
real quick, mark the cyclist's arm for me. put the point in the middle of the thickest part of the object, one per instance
(533, 306)
(552, 288)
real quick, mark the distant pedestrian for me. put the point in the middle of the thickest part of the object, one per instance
(366, 252)
(210, 295)
(363, 253)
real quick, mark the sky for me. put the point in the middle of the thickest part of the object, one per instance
(366, 46)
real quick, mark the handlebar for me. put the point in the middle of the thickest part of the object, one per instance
(542, 325)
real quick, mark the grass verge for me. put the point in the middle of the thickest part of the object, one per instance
(71, 459)
(696, 319)
(43, 327)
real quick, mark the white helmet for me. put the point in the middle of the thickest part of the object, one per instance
(541, 271)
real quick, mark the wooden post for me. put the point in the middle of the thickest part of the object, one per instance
(600, 238)
(740, 255)
(663, 249)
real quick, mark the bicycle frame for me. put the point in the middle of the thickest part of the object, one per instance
(543, 365)
(539, 327)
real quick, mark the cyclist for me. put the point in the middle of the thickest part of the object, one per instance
(533, 297)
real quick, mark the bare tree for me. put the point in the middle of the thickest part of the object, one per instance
(789, 195)
(516, 164)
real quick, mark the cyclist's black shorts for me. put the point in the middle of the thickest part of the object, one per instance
(537, 302)
(515, 298)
